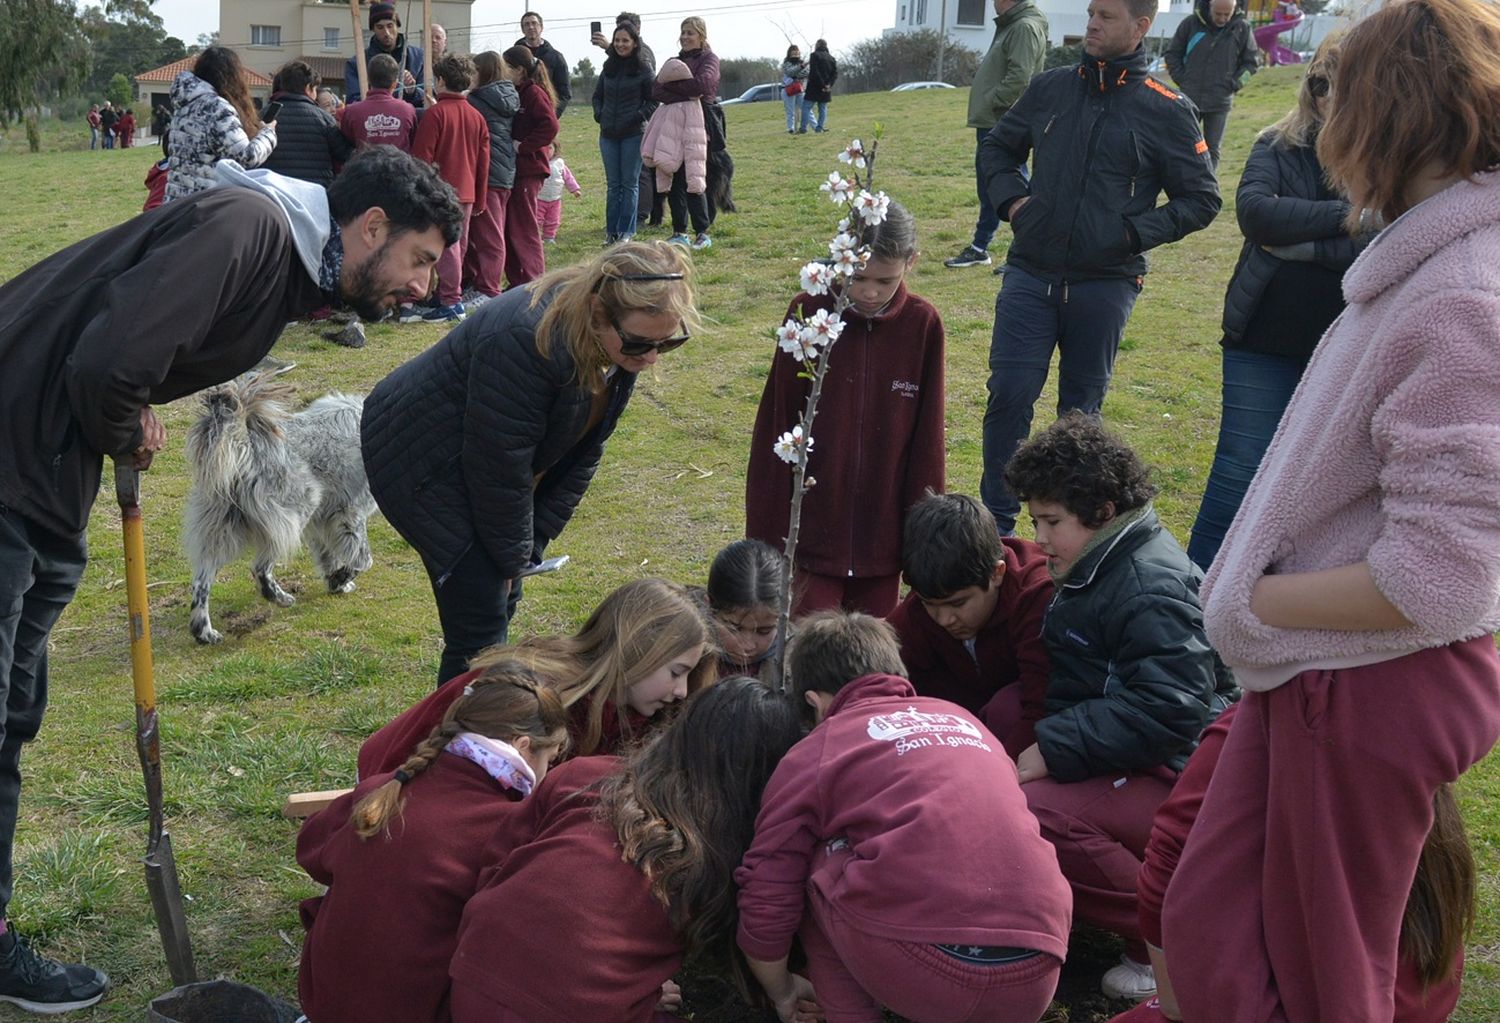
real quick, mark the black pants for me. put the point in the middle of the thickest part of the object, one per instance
(39, 573)
(685, 204)
(1213, 132)
(475, 604)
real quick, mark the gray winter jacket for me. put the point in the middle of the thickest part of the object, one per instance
(498, 102)
(1211, 64)
(205, 130)
(481, 439)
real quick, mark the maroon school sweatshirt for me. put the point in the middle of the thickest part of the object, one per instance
(563, 930)
(456, 137)
(877, 439)
(389, 747)
(944, 849)
(379, 942)
(1007, 651)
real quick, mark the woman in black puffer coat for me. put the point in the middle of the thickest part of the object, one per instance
(622, 105)
(496, 98)
(309, 144)
(479, 449)
(1286, 291)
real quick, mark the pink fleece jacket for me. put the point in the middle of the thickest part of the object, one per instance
(1389, 453)
(944, 849)
(676, 137)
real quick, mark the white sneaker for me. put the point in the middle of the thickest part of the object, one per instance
(1130, 979)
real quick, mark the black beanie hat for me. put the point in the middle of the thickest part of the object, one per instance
(383, 12)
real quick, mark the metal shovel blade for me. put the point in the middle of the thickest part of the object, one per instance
(166, 905)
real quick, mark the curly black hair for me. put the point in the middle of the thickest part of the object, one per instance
(408, 190)
(1080, 465)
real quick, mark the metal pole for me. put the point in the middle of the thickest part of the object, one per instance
(942, 38)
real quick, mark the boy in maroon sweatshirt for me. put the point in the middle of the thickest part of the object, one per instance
(456, 137)
(896, 841)
(971, 627)
(879, 434)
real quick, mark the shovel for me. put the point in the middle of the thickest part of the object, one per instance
(161, 867)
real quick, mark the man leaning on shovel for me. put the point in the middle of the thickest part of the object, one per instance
(168, 303)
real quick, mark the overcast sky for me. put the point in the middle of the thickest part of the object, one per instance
(736, 28)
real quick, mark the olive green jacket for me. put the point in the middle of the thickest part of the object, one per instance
(1014, 58)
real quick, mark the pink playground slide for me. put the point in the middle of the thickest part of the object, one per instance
(1286, 17)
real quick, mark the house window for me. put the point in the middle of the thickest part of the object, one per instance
(919, 13)
(903, 13)
(265, 35)
(330, 39)
(971, 12)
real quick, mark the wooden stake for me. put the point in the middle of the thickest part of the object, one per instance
(305, 804)
(427, 50)
(359, 52)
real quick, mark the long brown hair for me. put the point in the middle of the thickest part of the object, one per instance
(1418, 86)
(684, 809)
(632, 633)
(507, 701)
(490, 67)
(1440, 909)
(221, 68)
(521, 58)
(574, 318)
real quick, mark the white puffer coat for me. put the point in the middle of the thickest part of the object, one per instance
(205, 130)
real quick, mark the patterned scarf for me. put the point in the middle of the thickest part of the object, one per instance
(333, 259)
(500, 760)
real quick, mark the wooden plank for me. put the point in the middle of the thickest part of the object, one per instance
(431, 97)
(359, 52)
(305, 804)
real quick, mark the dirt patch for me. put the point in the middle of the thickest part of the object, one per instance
(242, 623)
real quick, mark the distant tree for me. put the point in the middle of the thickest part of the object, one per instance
(1063, 56)
(584, 70)
(889, 60)
(204, 41)
(43, 54)
(127, 37)
(738, 74)
(118, 90)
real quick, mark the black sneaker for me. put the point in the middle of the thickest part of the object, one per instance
(38, 984)
(970, 256)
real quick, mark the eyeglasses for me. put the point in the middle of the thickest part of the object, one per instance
(636, 346)
(1317, 86)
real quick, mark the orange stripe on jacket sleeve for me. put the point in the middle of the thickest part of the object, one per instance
(1200, 147)
(1152, 83)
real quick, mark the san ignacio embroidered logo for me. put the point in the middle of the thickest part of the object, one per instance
(906, 388)
(911, 729)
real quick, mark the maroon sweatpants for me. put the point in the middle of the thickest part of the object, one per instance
(450, 265)
(1287, 903)
(1100, 827)
(874, 595)
(484, 267)
(854, 973)
(1169, 835)
(469, 1006)
(524, 260)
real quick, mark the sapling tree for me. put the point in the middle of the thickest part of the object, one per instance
(811, 339)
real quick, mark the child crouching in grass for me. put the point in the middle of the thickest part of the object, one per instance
(879, 434)
(1133, 679)
(402, 853)
(744, 593)
(895, 840)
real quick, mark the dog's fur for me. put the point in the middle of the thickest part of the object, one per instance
(267, 479)
(720, 183)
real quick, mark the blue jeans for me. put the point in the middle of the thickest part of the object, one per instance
(793, 106)
(1083, 319)
(93, 138)
(989, 217)
(1257, 389)
(39, 573)
(622, 172)
(109, 140)
(807, 113)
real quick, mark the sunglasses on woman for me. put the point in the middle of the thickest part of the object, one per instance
(635, 346)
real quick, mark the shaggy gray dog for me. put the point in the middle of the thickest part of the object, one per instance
(267, 479)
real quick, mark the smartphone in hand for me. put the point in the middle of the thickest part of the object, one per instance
(270, 111)
(596, 27)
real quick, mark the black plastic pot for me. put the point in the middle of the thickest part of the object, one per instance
(219, 1001)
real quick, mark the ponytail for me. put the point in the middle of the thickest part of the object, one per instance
(521, 58)
(506, 701)
(1440, 909)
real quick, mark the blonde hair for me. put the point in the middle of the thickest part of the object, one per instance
(574, 319)
(698, 25)
(506, 701)
(1300, 125)
(1418, 86)
(634, 632)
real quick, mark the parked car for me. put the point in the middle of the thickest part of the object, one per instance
(755, 94)
(914, 86)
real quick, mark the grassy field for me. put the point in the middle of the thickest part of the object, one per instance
(282, 705)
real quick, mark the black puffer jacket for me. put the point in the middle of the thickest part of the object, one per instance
(622, 97)
(498, 102)
(1284, 200)
(822, 72)
(1211, 63)
(1105, 140)
(557, 70)
(308, 141)
(1134, 681)
(481, 439)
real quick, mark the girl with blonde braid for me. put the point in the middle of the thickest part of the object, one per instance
(401, 854)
